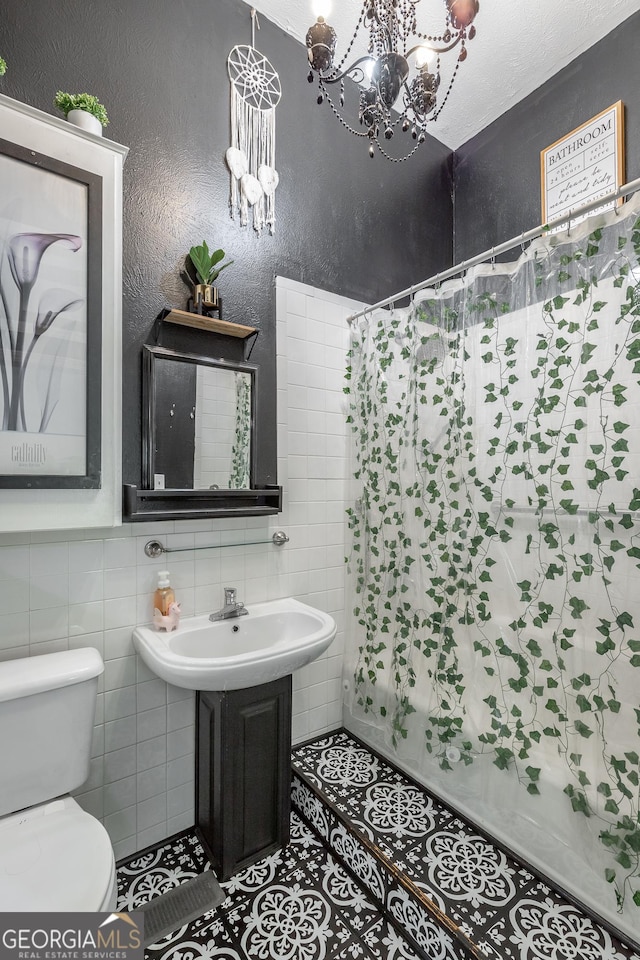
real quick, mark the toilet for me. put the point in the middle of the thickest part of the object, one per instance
(53, 856)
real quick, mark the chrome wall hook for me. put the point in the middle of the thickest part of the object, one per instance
(255, 21)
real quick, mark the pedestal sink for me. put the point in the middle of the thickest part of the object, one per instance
(241, 669)
(273, 640)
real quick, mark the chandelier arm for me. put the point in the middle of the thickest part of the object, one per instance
(355, 66)
(420, 46)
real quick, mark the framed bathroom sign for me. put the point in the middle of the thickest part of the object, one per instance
(60, 323)
(584, 165)
(50, 321)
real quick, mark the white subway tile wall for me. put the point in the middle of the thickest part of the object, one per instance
(66, 590)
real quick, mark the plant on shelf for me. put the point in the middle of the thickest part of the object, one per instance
(206, 268)
(205, 263)
(3, 67)
(82, 109)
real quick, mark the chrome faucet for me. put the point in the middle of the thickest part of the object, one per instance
(232, 607)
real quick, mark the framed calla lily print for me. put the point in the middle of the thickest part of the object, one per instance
(60, 323)
(50, 321)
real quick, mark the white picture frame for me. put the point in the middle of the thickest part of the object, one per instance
(88, 493)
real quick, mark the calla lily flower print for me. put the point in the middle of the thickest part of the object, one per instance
(49, 367)
(25, 327)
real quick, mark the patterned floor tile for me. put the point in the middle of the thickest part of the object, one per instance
(367, 868)
(142, 878)
(205, 937)
(419, 924)
(311, 806)
(397, 810)
(496, 902)
(380, 798)
(340, 761)
(385, 943)
(541, 925)
(395, 815)
(354, 950)
(475, 880)
(304, 848)
(347, 896)
(302, 904)
(339, 765)
(313, 913)
(297, 904)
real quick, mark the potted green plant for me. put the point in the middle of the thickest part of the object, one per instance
(3, 67)
(84, 110)
(206, 267)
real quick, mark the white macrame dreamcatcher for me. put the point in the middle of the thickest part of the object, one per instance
(255, 94)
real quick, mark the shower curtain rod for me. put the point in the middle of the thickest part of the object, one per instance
(627, 190)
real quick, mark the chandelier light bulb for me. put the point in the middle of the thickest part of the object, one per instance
(426, 57)
(321, 8)
(367, 69)
(462, 13)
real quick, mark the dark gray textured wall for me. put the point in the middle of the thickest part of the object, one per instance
(497, 173)
(355, 226)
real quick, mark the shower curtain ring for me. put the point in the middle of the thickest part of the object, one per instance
(493, 258)
(522, 242)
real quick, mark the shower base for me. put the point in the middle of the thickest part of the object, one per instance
(453, 892)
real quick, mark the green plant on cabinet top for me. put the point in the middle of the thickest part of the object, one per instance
(66, 102)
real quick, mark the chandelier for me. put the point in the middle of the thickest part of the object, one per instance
(400, 75)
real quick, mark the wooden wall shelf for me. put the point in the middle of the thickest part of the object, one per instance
(202, 322)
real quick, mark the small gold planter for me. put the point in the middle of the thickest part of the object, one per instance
(206, 299)
(206, 294)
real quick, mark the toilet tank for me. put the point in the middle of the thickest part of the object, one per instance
(47, 709)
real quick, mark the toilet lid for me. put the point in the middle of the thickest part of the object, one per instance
(58, 860)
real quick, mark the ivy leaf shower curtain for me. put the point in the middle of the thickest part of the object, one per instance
(495, 546)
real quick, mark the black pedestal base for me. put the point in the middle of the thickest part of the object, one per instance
(243, 773)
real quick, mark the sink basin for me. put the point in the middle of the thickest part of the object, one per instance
(272, 640)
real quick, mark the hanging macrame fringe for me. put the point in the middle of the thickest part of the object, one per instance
(253, 132)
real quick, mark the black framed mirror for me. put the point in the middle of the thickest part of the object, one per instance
(198, 439)
(199, 422)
